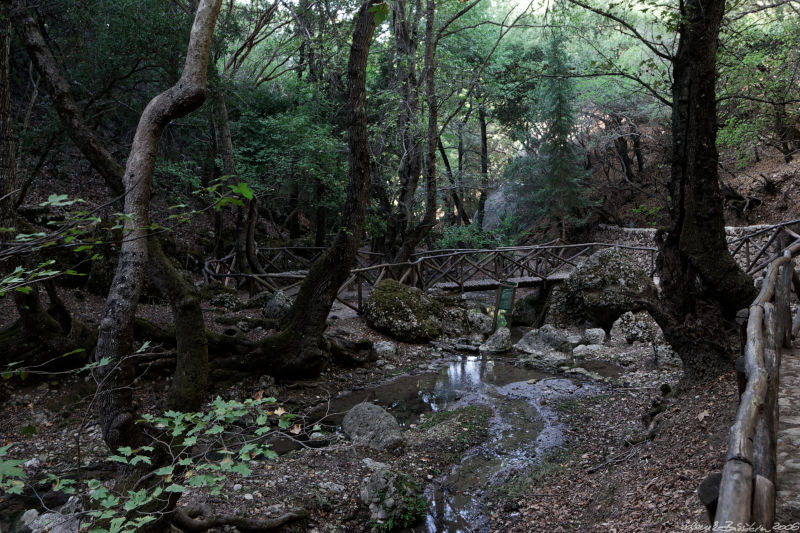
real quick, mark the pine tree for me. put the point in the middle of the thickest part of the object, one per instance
(552, 178)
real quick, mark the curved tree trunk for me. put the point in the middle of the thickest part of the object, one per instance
(297, 350)
(702, 286)
(115, 342)
(93, 149)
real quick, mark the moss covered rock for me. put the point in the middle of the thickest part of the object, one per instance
(403, 312)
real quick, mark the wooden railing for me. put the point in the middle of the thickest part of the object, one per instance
(758, 249)
(747, 488)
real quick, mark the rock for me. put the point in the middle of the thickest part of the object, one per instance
(454, 322)
(403, 312)
(499, 342)
(349, 350)
(393, 499)
(600, 290)
(259, 301)
(237, 486)
(587, 351)
(528, 309)
(546, 345)
(595, 336)
(479, 323)
(278, 307)
(248, 496)
(546, 338)
(227, 300)
(574, 340)
(384, 349)
(66, 520)
(631, 327)
(370, 425)
(374, 465)
(330, 486)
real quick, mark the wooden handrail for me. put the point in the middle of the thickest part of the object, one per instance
(747, 488)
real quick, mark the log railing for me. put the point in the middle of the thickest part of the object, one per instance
(747, 487)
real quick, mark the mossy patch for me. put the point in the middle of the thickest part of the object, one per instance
(403, 312)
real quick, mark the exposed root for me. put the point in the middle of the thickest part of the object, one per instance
(198, 518)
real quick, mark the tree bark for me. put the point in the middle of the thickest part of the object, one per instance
(115, 341)
(460, 210)
(297, 350)
(702, 286)
(111, 171)
(484, 162)
(406, 34)
(415, 236)
(187, 392)
(8, 168)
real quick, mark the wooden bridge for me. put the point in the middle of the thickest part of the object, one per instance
(468, 270)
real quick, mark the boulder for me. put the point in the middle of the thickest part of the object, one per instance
(372, 426)
(227, 300)
(384, 349)
(547, 344)
(595, 336)
(499, 342)
(259, 301)
(607, 285)
(278, 307)
(590, 350)
(546, 338)
(394, 500)
(632, 327)
(528, 309)
(479, 323)
(348, 349)
(403, 312)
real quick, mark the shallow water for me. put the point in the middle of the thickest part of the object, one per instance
(522, 426)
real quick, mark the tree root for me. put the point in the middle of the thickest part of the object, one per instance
(198, 518)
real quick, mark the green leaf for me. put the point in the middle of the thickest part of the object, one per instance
(127, 451)
(165, 471)
(174, 488)
(140, 459)
(242, 189)
(380, 12)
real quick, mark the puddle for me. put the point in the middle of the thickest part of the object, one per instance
(522, 426)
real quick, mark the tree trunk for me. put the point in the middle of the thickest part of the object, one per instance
(115, 341)
(415, 236)
(702, 286)
(484, 163)
(461, 212)
(93, 148)
(406, 34)
(297, 350)
(187, 392)
(8, 168)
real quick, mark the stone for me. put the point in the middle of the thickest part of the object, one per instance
(587, 350)
(594, 336)
(392, 498)
(227, 300)
(348, 349)
(374, 465)
(499, 342)
(546, 338)
(248, 496)
(405, 313)
(479, 323)
(372, 426)
(278, 307)
(384, 349)
(574, 340)
(632, 327)
(66, 520)
(604, 287)
(237, 486)
(547, 345)
(259, 301)
(528, 309)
